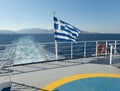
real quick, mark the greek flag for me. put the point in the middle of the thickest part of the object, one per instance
(65, 31)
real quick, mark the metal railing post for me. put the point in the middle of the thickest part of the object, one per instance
(71, 50)
(106, 51)
(115, 48)
(111, 47)
(96, 50)
(84, 49)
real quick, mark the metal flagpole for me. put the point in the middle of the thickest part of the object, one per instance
(56, 45)
(71, 50)
(56, 50)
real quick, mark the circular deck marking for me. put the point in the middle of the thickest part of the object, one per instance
(86, 82)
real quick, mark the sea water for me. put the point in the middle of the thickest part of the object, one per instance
(27, 50)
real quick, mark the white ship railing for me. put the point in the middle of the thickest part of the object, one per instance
(5, 74)
(115, 54)
(41, 52)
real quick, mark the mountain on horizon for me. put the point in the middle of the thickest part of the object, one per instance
(34, 31)
(7, 32)
(28, 31)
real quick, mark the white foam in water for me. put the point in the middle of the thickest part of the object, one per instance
(29, 52)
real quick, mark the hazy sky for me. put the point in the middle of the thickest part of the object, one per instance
(89, 15)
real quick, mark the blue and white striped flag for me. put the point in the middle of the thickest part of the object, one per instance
(65, 31)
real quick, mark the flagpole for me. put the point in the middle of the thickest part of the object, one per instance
(56, 50)
(71, 50)
(56, 44)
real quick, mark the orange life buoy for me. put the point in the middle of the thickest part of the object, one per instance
(100, 48)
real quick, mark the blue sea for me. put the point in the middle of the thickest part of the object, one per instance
(9, 38)
(32, 52)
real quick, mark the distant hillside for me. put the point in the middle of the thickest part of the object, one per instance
(7, 32)
(86, 32)
(27, 31)
(34, 31)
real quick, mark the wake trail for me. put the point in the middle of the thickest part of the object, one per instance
(27, 51)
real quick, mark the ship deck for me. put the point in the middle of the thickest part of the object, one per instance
(34, 77)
